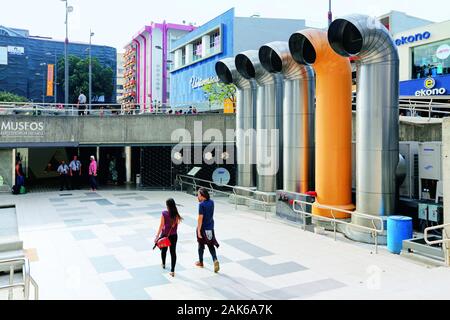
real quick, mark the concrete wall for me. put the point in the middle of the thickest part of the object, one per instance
(6, 169)
(123, 130)
(414, 129)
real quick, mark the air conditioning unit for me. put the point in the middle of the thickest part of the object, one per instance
(430, 169)
(410, 187)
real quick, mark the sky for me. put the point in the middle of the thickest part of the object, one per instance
(114, 22)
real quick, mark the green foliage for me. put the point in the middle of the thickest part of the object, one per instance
(102, 78)
(11, 97)
(219, 92)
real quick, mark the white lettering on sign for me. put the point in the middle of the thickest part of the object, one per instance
(16, 50)
(21, 128)
(199, 82)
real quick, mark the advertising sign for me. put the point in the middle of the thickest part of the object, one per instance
(19, 51)
(432, 86)
(50, 79)
(4, 55)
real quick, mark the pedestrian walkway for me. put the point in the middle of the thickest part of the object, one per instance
(99, 246)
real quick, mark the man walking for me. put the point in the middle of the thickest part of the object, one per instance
(63, 171)
(81, 104)
(75, 173)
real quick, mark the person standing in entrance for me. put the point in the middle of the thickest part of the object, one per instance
(93, 174)
(20, 176)
(205, 229)
(63, 171)
(81, 104)
(75, 173)
(168, 227)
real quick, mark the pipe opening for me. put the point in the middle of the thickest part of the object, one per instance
(345, 38)
(245, 66)
(270, 60)
(302, 49)
(224, 73)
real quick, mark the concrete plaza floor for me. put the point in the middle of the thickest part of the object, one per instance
(99, 246)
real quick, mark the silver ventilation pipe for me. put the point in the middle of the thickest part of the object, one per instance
(298, 115)
(267, 116)
(377, 120)
(245, 122)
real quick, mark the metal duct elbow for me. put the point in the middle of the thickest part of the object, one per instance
(363, 37)
(377, 110)
(267, 125)
(245, 122)
(333, 119)
(298, 115)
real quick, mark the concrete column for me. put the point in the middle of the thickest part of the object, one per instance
(177, 58)
(7, 169)
(205, 46)
(128, 164)
(98, 155)
(189, 53)
(446, 178)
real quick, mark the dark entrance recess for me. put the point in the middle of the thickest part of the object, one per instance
(159, 172)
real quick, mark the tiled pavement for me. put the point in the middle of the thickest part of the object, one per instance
(99, 246)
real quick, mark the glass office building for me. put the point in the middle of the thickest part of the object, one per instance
(24, 61)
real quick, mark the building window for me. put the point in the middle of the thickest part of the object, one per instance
(431, 60)
(183, 56)
(214, 42)
(197, 55)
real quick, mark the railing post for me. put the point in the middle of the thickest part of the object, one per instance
(11, 281)
(376, 242)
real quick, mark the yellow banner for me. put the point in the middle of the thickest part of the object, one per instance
(50, 77)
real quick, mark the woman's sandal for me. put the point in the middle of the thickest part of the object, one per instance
(172, 274)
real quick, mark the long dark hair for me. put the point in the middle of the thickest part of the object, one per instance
(204, 193)
(173, 211)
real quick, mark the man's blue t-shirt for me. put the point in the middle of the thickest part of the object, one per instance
(206, 209)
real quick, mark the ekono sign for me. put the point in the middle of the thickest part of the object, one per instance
(436, 86)
(413, 38)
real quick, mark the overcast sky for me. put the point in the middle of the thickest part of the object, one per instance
(116, 21)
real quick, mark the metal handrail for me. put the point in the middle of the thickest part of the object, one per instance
(374, 231)
(27, 278)
(264, 195)
(444, 241)
(435, 242)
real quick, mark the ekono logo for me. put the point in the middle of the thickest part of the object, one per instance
(413, 38)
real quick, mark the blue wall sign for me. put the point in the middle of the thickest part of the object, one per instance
(436, 86)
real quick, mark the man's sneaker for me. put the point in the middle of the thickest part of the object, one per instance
(216, 266)
(199, 264)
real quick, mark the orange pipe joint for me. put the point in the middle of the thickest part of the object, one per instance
(333, 121)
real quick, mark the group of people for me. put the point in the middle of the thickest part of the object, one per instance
(191, 110)
(73, 172)
(170, 220)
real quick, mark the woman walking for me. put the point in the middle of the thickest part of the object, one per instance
(205, 229)
(93, 174)
(168, 227)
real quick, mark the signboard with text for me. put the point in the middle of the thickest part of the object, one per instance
(50, 79)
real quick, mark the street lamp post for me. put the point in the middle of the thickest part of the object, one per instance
(91, 34)
(330, 13)
(66, 62)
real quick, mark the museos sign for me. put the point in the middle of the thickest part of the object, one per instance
(21, 128)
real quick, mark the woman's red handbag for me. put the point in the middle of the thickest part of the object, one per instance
(165, 241)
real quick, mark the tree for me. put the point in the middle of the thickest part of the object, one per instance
(102, 78)
(11, 97)
(218, 92)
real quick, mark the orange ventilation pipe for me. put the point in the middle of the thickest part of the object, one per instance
(333, 120)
